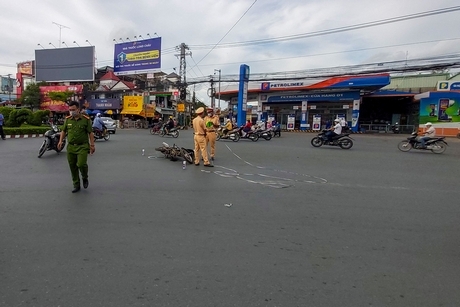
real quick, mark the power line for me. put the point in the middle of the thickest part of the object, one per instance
(332, 31)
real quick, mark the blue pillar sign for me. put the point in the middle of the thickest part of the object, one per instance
(303, 119)
(355, 115)
(243, 94)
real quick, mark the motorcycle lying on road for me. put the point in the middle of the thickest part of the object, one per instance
(437, 145)
(101, 135)
(230, 135)
(174, 152)
(343, 140)
(174, 132)
(51, 141)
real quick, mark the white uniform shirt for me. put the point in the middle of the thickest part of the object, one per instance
(338, 128)
(430, 132)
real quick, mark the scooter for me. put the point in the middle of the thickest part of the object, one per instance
(230, 135)
(51, 141)
(251, 134)
(437, 145)
(174, 132)
(264, 133)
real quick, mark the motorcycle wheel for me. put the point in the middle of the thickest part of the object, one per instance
(218, 137)
(152, 131)
(42, 149)
(272, 133)
(162, 133)
(175, 134)
(439, 148)
(235, 137)
(267, 136)
(404, 146)
(187, 156)
(345, 143)
(107, 136)
(254, 137)
(316, 141)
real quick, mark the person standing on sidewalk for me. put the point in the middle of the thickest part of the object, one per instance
(212, 124)
(199, 138)
(2, 120)
(80, 141)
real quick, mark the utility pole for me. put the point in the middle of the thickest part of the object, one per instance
(182, 84)
(212, 93)
(10, 88)
(218, 103)
(60, 29)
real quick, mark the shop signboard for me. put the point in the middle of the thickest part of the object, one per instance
(57, 105)
(290, 122)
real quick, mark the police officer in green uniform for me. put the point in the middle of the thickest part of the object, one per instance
(80, 140)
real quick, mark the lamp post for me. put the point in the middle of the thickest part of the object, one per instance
(218, 103)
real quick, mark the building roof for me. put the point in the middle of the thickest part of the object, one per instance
(110, 76)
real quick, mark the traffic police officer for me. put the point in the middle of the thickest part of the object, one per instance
(212, 124)
(80, 140)
(199, 138)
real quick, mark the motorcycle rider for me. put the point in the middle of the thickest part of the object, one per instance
(333, 131)
(169, 125)
(98, 125)
(429, 133)
(228, 126)
(247, 128)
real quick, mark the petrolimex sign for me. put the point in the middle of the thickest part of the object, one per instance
(266, 86)
(444, 86)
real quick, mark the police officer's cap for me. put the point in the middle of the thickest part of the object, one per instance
(199, 110)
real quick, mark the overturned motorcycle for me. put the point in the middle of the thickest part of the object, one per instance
(437, 145)
(51, 141)
(344, 141)
(174, 152)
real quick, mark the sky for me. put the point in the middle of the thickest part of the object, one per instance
(204, 24)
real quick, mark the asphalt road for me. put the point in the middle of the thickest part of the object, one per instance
(369, 226)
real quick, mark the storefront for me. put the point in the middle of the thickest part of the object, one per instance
(109, 107)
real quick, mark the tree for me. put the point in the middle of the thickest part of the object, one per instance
(31, 96)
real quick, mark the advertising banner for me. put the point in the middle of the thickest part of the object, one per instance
(442, 109)
(57, 105)
(104, 104)
(149, 110)
(138, 57)
(133, 105)
(290, 122)
(26, 68)
(317, 122)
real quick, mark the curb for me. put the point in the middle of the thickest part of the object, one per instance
(23, 136)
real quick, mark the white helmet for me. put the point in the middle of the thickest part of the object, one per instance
(336, 120)
(428, 124)
(98, 114)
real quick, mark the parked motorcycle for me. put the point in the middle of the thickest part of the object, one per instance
(230, 135)
(51, 141)
(436, 145)
(395, 128)
(251, 134)
(264, 133)
(174, 152)
(174, 132)
(101, 135)
(344, 141)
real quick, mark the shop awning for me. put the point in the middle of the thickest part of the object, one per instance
(165, 111)
(133, 112)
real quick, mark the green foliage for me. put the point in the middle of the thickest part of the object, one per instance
(31, 96)
(25, 130)
(60, 96)
(6, 113)
(17, 117)
(37, 117)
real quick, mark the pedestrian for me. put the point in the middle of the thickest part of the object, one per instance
(212, 124)
(199, 138)
(2, 119)
(80, 142)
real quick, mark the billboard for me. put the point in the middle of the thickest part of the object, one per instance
(104, 104)
(27, 68)
(65, 64)
(137, 57)
(57, 105)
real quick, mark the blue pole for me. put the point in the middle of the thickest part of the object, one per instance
(243, 94)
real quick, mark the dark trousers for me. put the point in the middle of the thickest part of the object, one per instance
(2, 134)
(330, 134)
